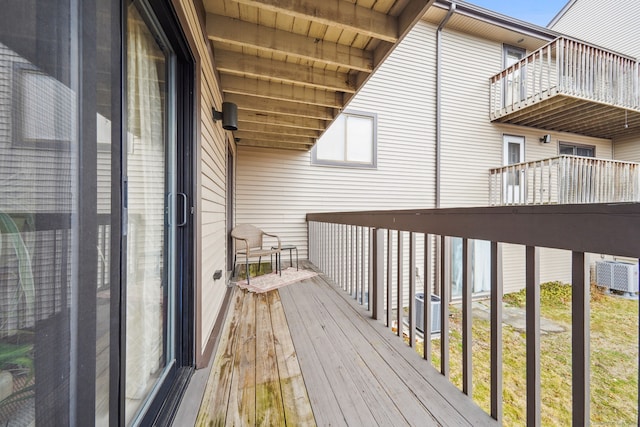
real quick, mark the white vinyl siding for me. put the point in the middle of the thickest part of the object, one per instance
(616, 26)
(277, 188)
(627, 149)
(470, 144)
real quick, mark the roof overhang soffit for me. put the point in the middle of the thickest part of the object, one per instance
(298, 63)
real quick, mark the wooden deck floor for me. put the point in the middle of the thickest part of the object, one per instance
(306, 355)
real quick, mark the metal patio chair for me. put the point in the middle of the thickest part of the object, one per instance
(250, 244)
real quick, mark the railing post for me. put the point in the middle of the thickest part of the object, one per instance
(412, 289)
(400, 280)
(445, 293)
(496, 331)
(580, 336)
(377, 288)
(533, 335)
(389, 278)
(428, 253)
(467, 314)
(560, 64)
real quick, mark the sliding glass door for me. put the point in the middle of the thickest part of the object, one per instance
(150, 209)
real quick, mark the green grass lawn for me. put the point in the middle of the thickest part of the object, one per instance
(614, 359)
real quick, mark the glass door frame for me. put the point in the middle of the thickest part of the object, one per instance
(164, 398)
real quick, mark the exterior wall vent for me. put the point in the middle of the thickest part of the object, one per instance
(617, 276)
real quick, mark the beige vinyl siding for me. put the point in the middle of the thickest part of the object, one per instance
(616, 26)
(555, 265)
(470, 144)
(277, 188)
(627, 149)
(210, 197)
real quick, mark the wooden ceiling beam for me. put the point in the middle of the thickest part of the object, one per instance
(410, 15)
(242, 135)
(245, 34)
(279, 130)
(252, 103)
(239, 64)
(280, 120)
(269, 144)
(335, 13)
(281, 91)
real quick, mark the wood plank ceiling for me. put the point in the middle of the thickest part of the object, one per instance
(292, 65)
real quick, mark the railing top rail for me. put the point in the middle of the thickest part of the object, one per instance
(528, 58)
(597, 228)
(549, 159)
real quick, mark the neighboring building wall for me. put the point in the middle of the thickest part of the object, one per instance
(612, 25)
(277, 188)
(627, 149)
(210, 198)
(471, 145)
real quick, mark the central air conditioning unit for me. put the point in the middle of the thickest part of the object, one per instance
(435, 313)
(617, 276)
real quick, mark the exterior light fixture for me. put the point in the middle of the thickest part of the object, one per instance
(228, 115)
(546, 139)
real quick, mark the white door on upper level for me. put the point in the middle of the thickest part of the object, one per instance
(514, 177)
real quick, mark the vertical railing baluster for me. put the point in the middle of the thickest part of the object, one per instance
(362, 264)
(426, 325)
(352, 263)
(356, 262)
(444, 305)
(325, 247)
(399, 307)
(412, 289)
(560, 64)
(533, 335)
(389, 278)
(345, 257)
(580, 335)
(367, 292)
(376, 293)
(467, 342)
(496, 331)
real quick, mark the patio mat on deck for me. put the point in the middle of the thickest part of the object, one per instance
(272, 281)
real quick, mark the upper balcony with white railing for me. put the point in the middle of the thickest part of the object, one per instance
(570, 86)
(565, 180)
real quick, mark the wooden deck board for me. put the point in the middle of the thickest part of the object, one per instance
(297, 408)
(392, 394)
(428, 384)
(242, 398)
(269, 406)
(213, 409)
(415, 388)
(308, 354)
(310, 336)
(374, 398)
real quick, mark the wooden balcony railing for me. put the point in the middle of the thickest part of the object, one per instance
(565, 180)
(567, 67)
(350, 248)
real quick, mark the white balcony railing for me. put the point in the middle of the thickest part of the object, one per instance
(567, 67)
(565, 180)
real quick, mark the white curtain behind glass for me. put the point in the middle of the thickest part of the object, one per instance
(146, 194)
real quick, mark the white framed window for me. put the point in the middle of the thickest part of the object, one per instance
(576, 149)
(349, 141)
